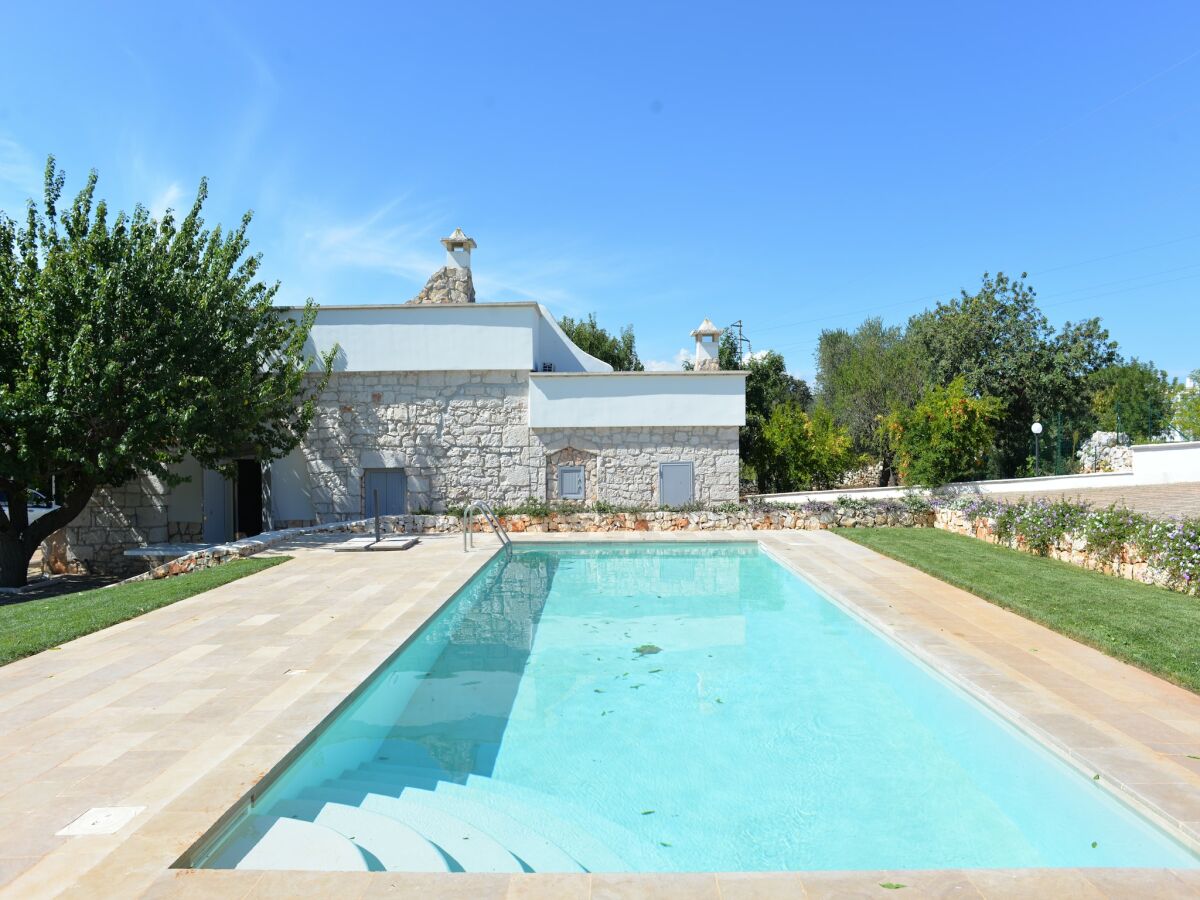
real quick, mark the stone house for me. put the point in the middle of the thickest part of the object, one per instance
(435, 403)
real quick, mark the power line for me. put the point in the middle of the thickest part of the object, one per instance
(800, 345)
(870, 309)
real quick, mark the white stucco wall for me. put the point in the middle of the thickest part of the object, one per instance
(439, 338)
(185, 502)
(446, 338)
(291, 491)
(1166, 463)
(552, 346)
(630, 399)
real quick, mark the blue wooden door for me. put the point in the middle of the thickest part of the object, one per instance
(388, 485)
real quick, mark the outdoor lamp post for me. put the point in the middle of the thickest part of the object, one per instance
(1036, 428)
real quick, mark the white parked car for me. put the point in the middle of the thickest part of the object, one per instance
(39, 505)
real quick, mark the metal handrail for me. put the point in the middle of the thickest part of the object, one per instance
(492, 519)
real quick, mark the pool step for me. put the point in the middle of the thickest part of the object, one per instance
(530, 847)
(396, 847)
(271, 842)
(470, 848)
(394, 773)
(600, 844)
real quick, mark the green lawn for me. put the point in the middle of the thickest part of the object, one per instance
(36, 625)
(1151, 627)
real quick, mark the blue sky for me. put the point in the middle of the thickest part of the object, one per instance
(797, 166)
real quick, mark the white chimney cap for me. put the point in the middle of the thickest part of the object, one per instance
(459, 241)
(707, 328)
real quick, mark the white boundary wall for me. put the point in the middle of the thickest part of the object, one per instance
(1152, 464)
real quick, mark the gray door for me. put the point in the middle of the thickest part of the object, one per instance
(675, 484)
(217, 510)
(389, 486)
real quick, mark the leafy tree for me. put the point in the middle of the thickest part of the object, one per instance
(806, 451)
(862, 376)
(768, 386)
(1002, 345)
(619, 352)
(1133, 397)
(1186, 408)
(127, 343)
(945, 437)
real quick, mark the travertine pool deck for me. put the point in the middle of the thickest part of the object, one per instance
(183, 710)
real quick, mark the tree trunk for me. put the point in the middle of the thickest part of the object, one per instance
(19, 537)
(14, 561)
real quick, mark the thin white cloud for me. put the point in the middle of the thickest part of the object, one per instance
(380, 241)
(167, 198)
(401, 238)
(671, 365)
(18, 169)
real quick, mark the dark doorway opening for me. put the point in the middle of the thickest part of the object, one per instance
(249, 497)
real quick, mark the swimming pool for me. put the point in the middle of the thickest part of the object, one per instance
(667, 708)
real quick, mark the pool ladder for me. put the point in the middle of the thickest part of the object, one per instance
(489, 514)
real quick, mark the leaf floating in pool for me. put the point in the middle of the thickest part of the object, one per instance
(647, 649)
(1096, 777)
(597, 690)
(663, 844)
(719, 700)
(1094, 845)
(647, 812)
(655, 671)
(891, 885)
(465, 683)
(634, 687)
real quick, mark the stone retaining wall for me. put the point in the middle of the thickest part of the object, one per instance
(745, 519)
(1071, 548)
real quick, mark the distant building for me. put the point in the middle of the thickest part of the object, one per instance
(440, 401)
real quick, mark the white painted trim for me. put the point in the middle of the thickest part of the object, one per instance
(637, 399)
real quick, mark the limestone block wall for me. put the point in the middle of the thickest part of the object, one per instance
(141, 511)
(570, 456)
(465, 435)
(457, 435)
(627, 460)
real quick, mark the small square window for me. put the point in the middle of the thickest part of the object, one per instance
(570, 482)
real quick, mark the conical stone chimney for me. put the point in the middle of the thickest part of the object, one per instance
(452, 282)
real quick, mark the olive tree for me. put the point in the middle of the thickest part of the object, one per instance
(127, 343)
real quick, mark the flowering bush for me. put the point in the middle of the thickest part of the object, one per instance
(1170, 546)
(1109, 531)
(1173, 546)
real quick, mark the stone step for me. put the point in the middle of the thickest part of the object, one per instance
(397, 847)
(469, 848)
(271, 842)
(535, 850)
(582, 837)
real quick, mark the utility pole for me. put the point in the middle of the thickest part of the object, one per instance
(741, 342)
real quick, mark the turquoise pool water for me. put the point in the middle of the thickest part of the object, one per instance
(666, 707)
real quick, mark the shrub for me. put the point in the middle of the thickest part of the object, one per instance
(945, 437)
(810, 451)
